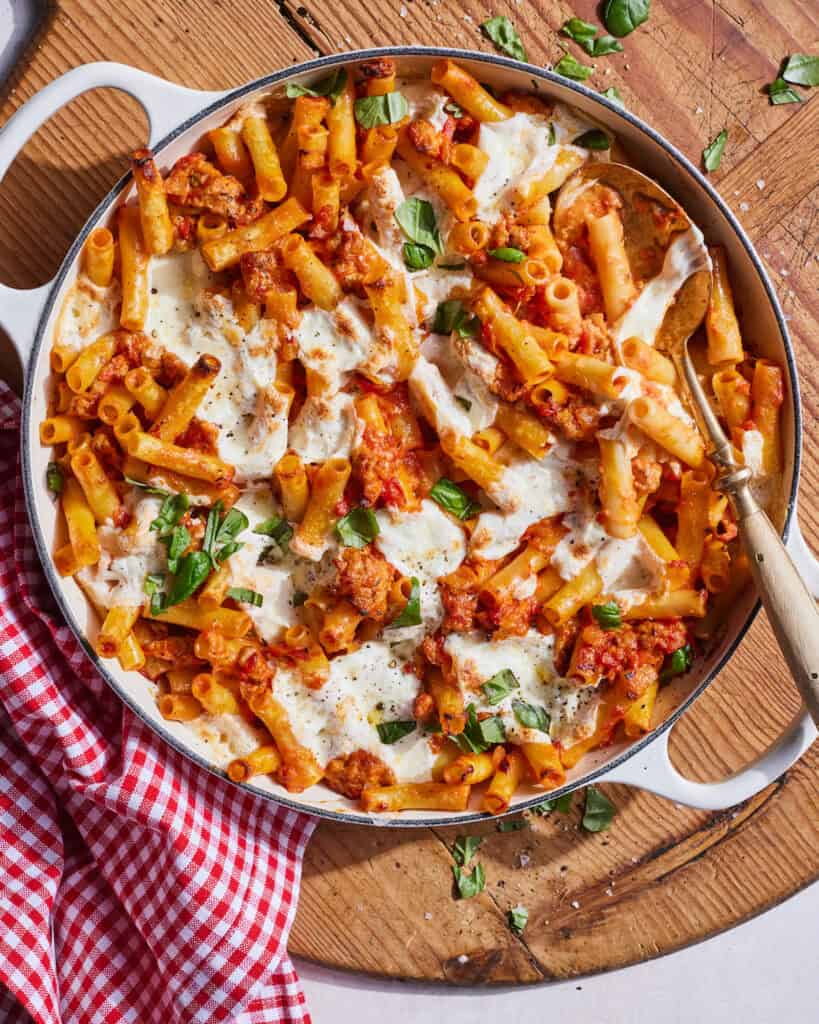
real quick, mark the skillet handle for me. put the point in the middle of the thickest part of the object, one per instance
(652, 769)
(166, 105)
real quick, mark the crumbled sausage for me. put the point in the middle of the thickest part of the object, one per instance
(365, 578)
(351, 773)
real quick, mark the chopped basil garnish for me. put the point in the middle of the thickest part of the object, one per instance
(500, 686)
(451, 266)
(153, 583)
(416, 218)
(569, 67)
(331, 87)
(358, 528)
(712, 154)
(54, 478)
(245, 596)
(172, 510)
(465, 848)
(780, 92)
(411, 615)
(512, 825)
(453, 500)
(801, 69)
(517, 917)
(505, 37)
(608, 615)
(417, 257)
(392, 732)
(471, 884)
(148, 488)
(387, 109)
(280, 532)
(598, 811)
(593, 139)
(613, 94)
(299, 597)
(157, 603)
(219, 541)
(507, 254)
(622, 16)
(452, 316)
(452, 108)
(562, 804)
(192, 573)
(584, 33)
(178, 544)
(480, 735)
(229, 549)
(531, 715)
(677, 663)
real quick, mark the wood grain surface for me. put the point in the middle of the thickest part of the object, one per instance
(380, 900)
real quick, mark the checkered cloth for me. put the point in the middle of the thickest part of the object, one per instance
(134, 887)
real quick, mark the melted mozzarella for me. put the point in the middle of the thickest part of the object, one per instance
(685, 256)
(436, 401)
(189, 320)
(519, 153)
(385, 195)
(324, 428)
(579, 546)
(334, 343)
(630, 570)
(468, 389)
(368, 686)
(426, 544)
(529, 490)
(761, 483)
(88, 312)
(439, 285)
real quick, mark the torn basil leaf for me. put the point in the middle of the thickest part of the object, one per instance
(622, 16)
(178, 544)
(507, 254)
(465, 848)
(453, 500)
(801, 69)
(608, 615)
(779, 92)
(613, 94)
(331, 87)
(598, 811)
(193, 571)
(569, 67)
(245, 596)
(387, 109)
(416, 218)
(471, 884)
(392, 732)
(517, 917)
(503, 34)
(531, 716)
(561, 804)
(677, 663)
(712, 154)
(54, 478)
(279, 531)
(500, 686)
(417, 257)
(358, 528)
(593, 139)
(411, 615)
(148, 488)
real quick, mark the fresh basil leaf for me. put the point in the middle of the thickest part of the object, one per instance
(465, 848)
(452, 108)
(358, 528)
(602, 46)
(224, 553)
(148, 488)
(417, 257)
(507, 254)
(613, 94)
(411, 615)
(387, 109)
(479, 735)
(578, 30)
(492, 730)
(157, 603)
(451, 266)
(172, 510)
(469, 327)
(54, 478)
(593, 139)
(598, 811)
(571, 68)
(331, 87)
(552, 134)
(712, 154)
(622, 16)
(392, 732)
(180, 541)
(677, 663)
(246, 596)
(801, 69)
(471, 884)
(562, 804)
(505, 37)
(517, 917)
(153, 583)
(608, 615)
(463, 402)
(512, 825)
(416, 218)
(584, 33)
(532, 716)
(193, 571)
(279, 531)
(232, 525)
(299, 597)
(500, 686)
(448, 315)
(780, 92)
(211, 528)
(453, 500)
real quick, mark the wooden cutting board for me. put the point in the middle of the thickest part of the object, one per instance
(380, 900)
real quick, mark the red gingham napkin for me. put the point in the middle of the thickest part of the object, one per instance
(134, 886)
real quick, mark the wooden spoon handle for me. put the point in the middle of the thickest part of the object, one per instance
(791, 609)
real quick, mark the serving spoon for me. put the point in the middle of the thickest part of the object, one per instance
(648, 210)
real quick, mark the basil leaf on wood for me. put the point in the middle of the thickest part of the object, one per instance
(411, 615)
(562, 804)
(392, 732)
(622, 16)
(569, 67)
(613, 94)
(512, 825)
(358, 528)
(517, 917)
(505, 37)
(387, 109)
(471, 884)
(598, 811)
(801, 69)
(712, 154)
(780, 92)
(453, 500)
(465, 848)
(585, 35)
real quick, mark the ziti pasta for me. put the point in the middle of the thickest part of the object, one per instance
(372, 468)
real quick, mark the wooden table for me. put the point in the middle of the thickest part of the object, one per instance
(380, 900)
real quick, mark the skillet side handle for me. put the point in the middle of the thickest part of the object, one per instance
(166, 105)
(652, 769)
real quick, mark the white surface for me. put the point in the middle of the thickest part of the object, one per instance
(760, 972)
